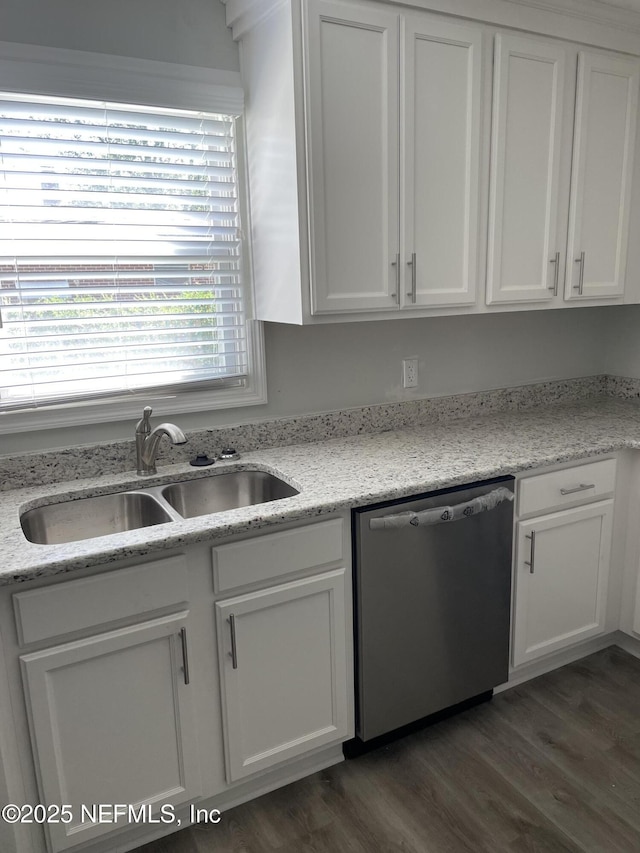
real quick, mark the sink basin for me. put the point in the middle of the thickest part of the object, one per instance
(88, 517)
(225, 491)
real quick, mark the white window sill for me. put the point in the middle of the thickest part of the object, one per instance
(130, 407)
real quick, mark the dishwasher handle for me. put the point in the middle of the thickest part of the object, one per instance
(442, 514)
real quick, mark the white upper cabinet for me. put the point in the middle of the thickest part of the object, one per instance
(364, 137)
(526, 238)
(440, 165)
(389, 172)
(376, 244)
(561, 159)
(604, 140)
(353, 156)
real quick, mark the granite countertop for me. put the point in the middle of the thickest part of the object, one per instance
(332, 476)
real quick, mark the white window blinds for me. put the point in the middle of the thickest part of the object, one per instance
(120, 253)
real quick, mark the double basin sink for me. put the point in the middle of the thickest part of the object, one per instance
(85, 518)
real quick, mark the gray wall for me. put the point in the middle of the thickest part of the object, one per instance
(188, 32)
(322, 368)
(337, 366)
(622, 337)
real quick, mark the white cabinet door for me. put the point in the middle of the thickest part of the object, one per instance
(283, 670)
(561, 574)
(604, 140)
(526, 225)
(440, 132)
(112, 721)
(352, 79)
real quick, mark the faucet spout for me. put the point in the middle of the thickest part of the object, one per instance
(150, 448)
(148, 440)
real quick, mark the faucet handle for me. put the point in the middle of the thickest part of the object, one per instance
(143, 427)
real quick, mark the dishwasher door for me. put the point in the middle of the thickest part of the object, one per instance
(432, 602)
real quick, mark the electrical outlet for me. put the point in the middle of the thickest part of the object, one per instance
(410, 372)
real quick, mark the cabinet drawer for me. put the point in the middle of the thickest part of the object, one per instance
(277, 554)
(88, 602)
(558, 488)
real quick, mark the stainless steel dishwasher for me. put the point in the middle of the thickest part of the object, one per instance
(432, 600)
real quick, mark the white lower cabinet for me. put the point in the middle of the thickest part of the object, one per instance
(112, 721)
(282, 657)
(561, 567)
(117, 673)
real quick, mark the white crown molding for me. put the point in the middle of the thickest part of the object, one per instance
(531, 15)
(242, 15)
(596, 11)
(42, 70)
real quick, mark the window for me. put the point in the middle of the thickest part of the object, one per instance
(120, 252)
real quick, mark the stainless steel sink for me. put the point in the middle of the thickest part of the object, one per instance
(85, 518)
(88, 517)
(225, 491)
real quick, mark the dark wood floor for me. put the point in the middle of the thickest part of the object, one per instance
(552, 765)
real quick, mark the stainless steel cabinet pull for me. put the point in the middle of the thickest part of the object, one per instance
(396, 264)
(581, 488)
(185, 654)
(234, 650)
(555, 261)
(580, 285)
(530, 562)
(412, 264)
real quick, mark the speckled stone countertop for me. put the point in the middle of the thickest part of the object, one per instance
(332, 476)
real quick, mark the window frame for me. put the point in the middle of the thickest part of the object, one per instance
(56, 72)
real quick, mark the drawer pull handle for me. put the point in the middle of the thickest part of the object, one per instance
(412, 264)
(581, 488)
(556, 273)
(580, 285)
(396, 264)
(234, 649)
(530, 562)
(185, 654)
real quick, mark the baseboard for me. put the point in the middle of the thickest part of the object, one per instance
(313, 763)
(250, 790)
(526, 672)
(627, 643)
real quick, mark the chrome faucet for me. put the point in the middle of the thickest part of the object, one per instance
(147, 441)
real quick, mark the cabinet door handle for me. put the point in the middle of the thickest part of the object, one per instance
(185, 654)
(412, 264)
(581, 488)
(396, 264)
(531, 560)
(234, 648)
(580, 285)
(556, 271)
